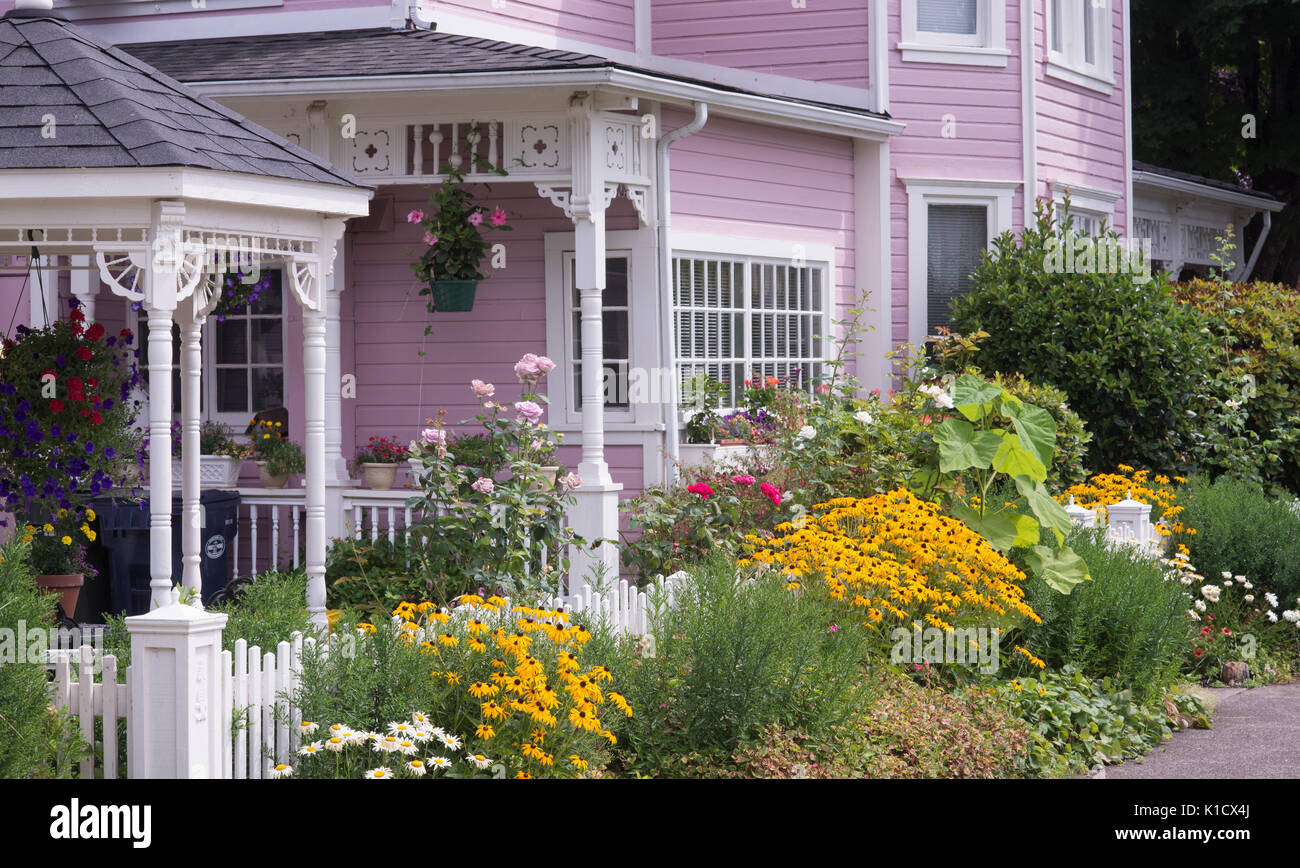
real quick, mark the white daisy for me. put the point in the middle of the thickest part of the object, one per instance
(480, 761)
(1200, 605)
(334, 743)
(307, 727)
(1291, 615)
(387, 743)
(382, 772)
(416, 767)
(422, 735)
(1272, 599)
(1211, 592)
(1250, 598)
(310, 749)
(419, 719)
(451, 741)
(1226, 575)
(406, 746)
(281, 771)
(1272, 617)
(401, 729)
(440, 762)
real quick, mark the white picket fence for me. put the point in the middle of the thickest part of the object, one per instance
(87, 699)
(630, 609)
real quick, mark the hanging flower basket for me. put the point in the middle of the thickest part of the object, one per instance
(453, 296)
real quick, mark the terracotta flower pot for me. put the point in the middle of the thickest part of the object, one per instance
(379, 477)
(269, 481)
(67, 586)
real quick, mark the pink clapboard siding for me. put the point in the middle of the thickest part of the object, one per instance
(397, 389)
(15, 309)
(985, 141)
(610, 23)
(825, 41)
(784, 185)
(1081, 131)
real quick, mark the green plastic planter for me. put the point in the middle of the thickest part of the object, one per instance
(453, 296)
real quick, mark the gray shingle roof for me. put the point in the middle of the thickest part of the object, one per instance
(113, 110)
(381, 51)
(1200, 179)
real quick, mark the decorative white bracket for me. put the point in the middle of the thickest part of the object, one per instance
(638, 195)
(562, 196)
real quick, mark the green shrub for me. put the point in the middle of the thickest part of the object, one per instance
(1257, 331)
(1129, 623)
(1243, 531)
(732, 657)
(373, 576)
(37, 743)
(1134, 362)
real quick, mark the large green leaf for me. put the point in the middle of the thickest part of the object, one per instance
(961, 447)
(1035, 427)
(1061, 569)
(1014, 459)
(974, 396)
(1004, 531)
(1044, 506)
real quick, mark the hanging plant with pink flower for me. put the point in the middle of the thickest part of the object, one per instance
(455, 231)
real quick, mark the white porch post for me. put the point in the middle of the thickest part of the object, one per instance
(160, 457)
(596, 514)
(84, 284)
(313, 357)
(191, 327)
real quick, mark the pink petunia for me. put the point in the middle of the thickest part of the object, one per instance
(746, 479)
(703, 489)
(415, 217)
(475, 218)
(498, 218)
(530, 410)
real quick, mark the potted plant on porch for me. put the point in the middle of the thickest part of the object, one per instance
(221, 459)
(379, 460)
(455, 247)
(277, 456)
(58, 554)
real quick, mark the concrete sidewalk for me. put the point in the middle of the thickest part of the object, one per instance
(1256, 735)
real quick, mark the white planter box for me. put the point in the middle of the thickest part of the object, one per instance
(699, 454)
(215, 471)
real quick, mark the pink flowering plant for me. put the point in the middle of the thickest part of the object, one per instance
(452, 228)
(490, 519)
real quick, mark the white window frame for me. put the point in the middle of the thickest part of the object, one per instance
(1069, 63)
(76, 10)
(820, 254)
(207, 346)
(643, 328)
(987, 47)
(997, 196)
(1091, 202)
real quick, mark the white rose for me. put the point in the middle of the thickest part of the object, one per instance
(863, 416)
(807, 432)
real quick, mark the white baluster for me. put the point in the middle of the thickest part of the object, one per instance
(234, 567)
(275, 536)
(252, 549)
(455, 159)
(492, 143)
(356, 521)
(374, 523)
(392, 524)
(417, 158)
(436, 138)
(296, 511)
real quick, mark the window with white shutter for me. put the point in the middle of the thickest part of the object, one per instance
(740, 317)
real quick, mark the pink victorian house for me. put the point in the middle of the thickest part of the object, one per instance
(694, 187)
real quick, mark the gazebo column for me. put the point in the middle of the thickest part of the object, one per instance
(314, 367)
(160, 457)
(191, 328)
(595, 516)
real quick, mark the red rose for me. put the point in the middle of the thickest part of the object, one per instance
(56, 406)
(95, 332)
(85, 354)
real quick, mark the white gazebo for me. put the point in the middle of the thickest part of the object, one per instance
(137, 182)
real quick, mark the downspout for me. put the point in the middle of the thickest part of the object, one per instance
(665, 257)
(1259, 245)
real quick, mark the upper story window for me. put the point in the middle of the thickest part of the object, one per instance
(1079, 43)
(76, 10)
(968, 32)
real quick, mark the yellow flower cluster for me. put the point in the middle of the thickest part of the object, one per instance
(1159, 490)
(895, 559)
(524, 672)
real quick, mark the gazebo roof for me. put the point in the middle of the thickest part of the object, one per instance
(110, 110)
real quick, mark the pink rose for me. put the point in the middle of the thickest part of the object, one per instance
(527, 366)
(772, 493)
(433, 435)
(498, 218)
(746, 479)
(482, 389)
(545, 365)
(703, 489)
(530, 410)
(415, 217)
(484, 485)
(475, 218)
(571, 481)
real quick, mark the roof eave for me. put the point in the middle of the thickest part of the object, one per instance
(1167, 184)
(774, 110)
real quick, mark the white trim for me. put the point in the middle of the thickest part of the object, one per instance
(643, 341)
(871, 257)
(1069, 64)
(780, 85)
(1166, 184)
(178, 28)
(986, 47)
(922, 192)
(81, 10)
(748, 106)
(643, 28)
(1128, 125)
(1028, 107)
(878, 56)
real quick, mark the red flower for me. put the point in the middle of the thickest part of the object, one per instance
(125, 334)
(74, 383)
(96, 418)
(771, 492)
(1227, 632)
(85, 354)
(77, 316)
(76, 330)
(1205, 631)
(1199, 652)
(701, 488)
(93, 383)
(56, 406)
(95, 332)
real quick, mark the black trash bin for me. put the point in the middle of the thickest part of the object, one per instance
(123, 533)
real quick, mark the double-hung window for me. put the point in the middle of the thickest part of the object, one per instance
(1079, 43)
(243, 358)
(750, 317)
(970, 32)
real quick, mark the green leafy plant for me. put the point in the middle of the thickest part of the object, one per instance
(216, 438)
(997, 437)
(271, 444)
(705, 394)
(453, 229)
